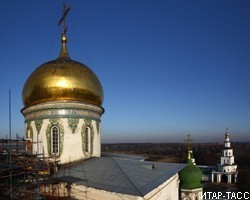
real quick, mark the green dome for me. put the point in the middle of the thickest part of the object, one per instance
(190, 176)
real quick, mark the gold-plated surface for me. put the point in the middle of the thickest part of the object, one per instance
(63, 52)
(227, 133)
(189, 155)
(62, 79)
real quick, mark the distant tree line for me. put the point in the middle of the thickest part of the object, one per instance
(204, 153)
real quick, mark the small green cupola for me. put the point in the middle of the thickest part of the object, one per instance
(190, 176)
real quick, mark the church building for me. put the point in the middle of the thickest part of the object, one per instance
(226, 170)
(62, 109)
(190, 177)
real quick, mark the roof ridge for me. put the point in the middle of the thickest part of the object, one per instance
(114, 159)
(171, 171)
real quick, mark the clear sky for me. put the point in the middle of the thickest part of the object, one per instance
(168, 68)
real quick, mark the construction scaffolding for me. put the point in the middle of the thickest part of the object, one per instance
(24, 175)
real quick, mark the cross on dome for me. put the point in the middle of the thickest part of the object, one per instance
(188, 140)
(63, 19)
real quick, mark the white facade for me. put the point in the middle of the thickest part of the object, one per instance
(227, 154)
(169, 190)
(65, 131)
(191, 194)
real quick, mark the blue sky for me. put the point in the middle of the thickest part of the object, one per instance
(168, 68)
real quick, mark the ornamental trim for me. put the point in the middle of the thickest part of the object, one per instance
(55, 122)
(73, 123)
(38, 125)
(83, 134)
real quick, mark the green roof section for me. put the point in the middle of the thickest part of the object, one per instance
(190, 176)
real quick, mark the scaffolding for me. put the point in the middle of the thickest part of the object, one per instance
(25, 175)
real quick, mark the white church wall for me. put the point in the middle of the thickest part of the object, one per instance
(95, 194)
(72, 119)
(228, 152)
(42, 138)
(35, 136)
(87, 193)
(227, 144)
(229, 168)
(96, 142)
(72, 143)
(227, 160)
(195, 194)
(39, 137)
(231, 160)
(169, 190)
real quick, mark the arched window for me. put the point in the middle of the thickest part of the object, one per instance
(55, 140)
(87, 139)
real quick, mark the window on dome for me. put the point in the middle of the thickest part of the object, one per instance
(87, 139)
(55, 140)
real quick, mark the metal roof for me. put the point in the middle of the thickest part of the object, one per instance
(118, 175)
(124, 156)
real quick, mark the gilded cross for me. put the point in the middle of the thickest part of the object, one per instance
(63, 18)
(188, 140)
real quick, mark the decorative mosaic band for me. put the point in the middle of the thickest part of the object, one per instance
(62, 110)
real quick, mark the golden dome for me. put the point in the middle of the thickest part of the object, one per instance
(62, 79)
